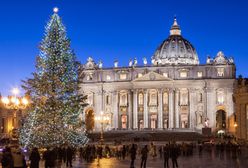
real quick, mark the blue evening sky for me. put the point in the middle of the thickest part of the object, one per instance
(119, 29)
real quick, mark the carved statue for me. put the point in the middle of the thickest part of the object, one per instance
(135, 62)
(116, 63)
(153, 61)
(145, 61)
(100, 64)
(208, 60)
(206, 123)
(130, 62)
(198, 118)
(231, 61)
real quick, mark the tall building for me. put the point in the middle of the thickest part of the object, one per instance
(174, 91)
(240, 97)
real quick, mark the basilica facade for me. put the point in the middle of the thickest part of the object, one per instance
(174, 91)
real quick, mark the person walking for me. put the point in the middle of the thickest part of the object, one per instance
(69, 155)
(49, 158)
(174, 155)
(34, 158)
(133, 152)
(166, 156)
(7, 160)
(144, 153)
(18, 159)
(124, 151)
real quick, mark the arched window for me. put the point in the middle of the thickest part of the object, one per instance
(220, 97)
(184, 97)
(141, 99)
(107, 100)
(165, 98)
(123, 99)
(199, 97)
(153, 98)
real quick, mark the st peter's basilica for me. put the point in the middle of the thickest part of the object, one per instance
(172, 92)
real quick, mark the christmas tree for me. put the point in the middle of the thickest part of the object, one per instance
(53, 117)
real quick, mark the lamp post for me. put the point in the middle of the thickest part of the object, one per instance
(15, 103)
(102, 119)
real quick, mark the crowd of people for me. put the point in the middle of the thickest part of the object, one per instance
(132, 151)
(14, 157)
(169, 152)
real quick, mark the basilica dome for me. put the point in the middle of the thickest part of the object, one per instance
(175, 50)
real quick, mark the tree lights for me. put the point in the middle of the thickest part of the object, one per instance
(53, 118)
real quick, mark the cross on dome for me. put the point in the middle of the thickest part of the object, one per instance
(175, 29)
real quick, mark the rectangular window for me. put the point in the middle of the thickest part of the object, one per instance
(140, 75)
(108, 77)
(220, 97)
(183, 74)
(165, 74)
(108, 100)
(220, 72)
(123, 76)
(199, 74)
(89, 77)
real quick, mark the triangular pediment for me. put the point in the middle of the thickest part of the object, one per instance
(152, 76)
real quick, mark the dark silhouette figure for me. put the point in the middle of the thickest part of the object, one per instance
(160, 152)
(166, 156)
(64, 154)
(144, 153)
(34, 158)
(49, 158)
(174, 152)
(69, 155)
(99, 151)
(133, 155)
(7, 160)
(124, 151)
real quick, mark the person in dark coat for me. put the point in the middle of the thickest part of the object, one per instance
(174, 152)
(133, 155)
(34, 158)
(63, 154)
(49, 158)
(144, 153)
(7, 160)
(166, 156)
(69, 155)
(124, 151)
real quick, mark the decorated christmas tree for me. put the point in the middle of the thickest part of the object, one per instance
(53, 117)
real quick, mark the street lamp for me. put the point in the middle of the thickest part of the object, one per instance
(15, 103)
(102, 119)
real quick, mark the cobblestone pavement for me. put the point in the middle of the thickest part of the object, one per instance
(207, 160)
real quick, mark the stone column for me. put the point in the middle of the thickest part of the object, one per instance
(145, 109)
(192, 101)
(135, 110)
(229, 110)
(171, 108)
(98, 107)
(177, 114)
(130, 109)
(211, 107)
(115, 109)
(160, 109)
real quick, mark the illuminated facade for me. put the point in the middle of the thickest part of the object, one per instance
(241, 108)
(9, 121)
(174, 91)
